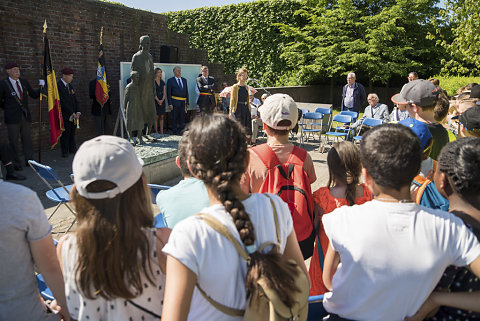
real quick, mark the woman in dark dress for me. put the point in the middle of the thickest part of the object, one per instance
(240, 104)
(161, 93)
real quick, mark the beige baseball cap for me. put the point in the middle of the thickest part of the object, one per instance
(108, 158)
(279, 107)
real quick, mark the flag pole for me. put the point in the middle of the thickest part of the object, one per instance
(40, 104)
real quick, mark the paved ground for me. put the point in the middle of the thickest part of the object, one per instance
(63, 166)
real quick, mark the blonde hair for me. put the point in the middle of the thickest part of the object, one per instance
(241, 71)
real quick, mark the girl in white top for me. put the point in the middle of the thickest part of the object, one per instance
(113, 265)
(199, 255)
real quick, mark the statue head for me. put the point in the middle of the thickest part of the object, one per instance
(144, 43)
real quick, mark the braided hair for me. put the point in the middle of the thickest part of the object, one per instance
(216, 154)
(459, 161)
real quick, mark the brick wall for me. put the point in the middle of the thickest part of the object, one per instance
(73, 31)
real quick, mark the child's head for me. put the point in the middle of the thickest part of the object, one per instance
(280, 113)
(391, 155)
(344, 166)
(217, 155)
(113, 206)
(421, 130)
(470, 122)
(458, 162)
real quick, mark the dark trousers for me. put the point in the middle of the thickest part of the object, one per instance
(178, 117)
(101, 125)
(243, 115)
(5, 154)
(67, 140)
(207, 108)
(22, 130)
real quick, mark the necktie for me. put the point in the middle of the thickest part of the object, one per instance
(19, 91)
(180, 83)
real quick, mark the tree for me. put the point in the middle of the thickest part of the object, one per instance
(460, 36)
(379, 39)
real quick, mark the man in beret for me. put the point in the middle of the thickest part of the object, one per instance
(70, 112)
(14, 92)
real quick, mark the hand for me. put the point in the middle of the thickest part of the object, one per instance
(41, 82)
(171, 107)
(55, 307)
(427, 307)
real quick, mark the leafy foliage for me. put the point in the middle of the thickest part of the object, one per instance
(460, 37)
(452, 84)
(240, 35)
(379, 39)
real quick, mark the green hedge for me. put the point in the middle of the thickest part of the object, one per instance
(451, 84)
(240, 35)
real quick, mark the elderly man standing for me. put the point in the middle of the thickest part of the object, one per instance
(353, 95)
(14, 92)
(373, 110)
(177, 95)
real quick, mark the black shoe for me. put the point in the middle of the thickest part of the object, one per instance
(15, 177)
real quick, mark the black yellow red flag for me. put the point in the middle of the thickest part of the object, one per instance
(101, 88)
(54, 108)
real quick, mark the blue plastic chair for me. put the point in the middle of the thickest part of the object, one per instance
(354, 114)
(316, 311)
(367, 122)
(312, 126)
(59, 194)
(158, 220)
(154, 189)
(327, 116)
(338, 123)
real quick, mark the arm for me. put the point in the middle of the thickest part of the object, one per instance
(186, 89)
(164, 94)
(199, 83)
(43, 254)
(34, 93)
(469, 301)
(332, 259)
(178, 291)
(233, 99)
(162, 238)
(292, 251)
(385, 115)
(169, 93)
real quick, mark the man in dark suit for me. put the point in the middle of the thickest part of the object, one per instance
(14, 92)
(206, 86)
(177, 95)
(70, 112)
(353, 95)
(100, 113)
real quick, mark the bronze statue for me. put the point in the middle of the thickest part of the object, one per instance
(142, 62)
(133, 111)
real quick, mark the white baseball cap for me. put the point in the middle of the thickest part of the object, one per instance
(279, 107)
(108, 158)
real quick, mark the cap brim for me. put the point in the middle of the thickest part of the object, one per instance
(398, 99)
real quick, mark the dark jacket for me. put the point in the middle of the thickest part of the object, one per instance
(173, 89)
(10, 102)
(206, 87)
(68, 100)
(96, 108)
(359, 96)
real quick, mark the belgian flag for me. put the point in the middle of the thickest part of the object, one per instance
(101, 88)
(53, 99)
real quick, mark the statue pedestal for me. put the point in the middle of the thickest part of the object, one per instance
(159, 158)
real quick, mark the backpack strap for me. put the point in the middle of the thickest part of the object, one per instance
(266, 155)
(297, 156)
(220, 228)
(275, 218)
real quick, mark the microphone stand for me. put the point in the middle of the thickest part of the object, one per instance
(256, 81)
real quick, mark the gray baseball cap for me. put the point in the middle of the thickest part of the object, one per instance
(420, 92)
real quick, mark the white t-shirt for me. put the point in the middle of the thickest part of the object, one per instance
(392, 256)
(219, 268)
